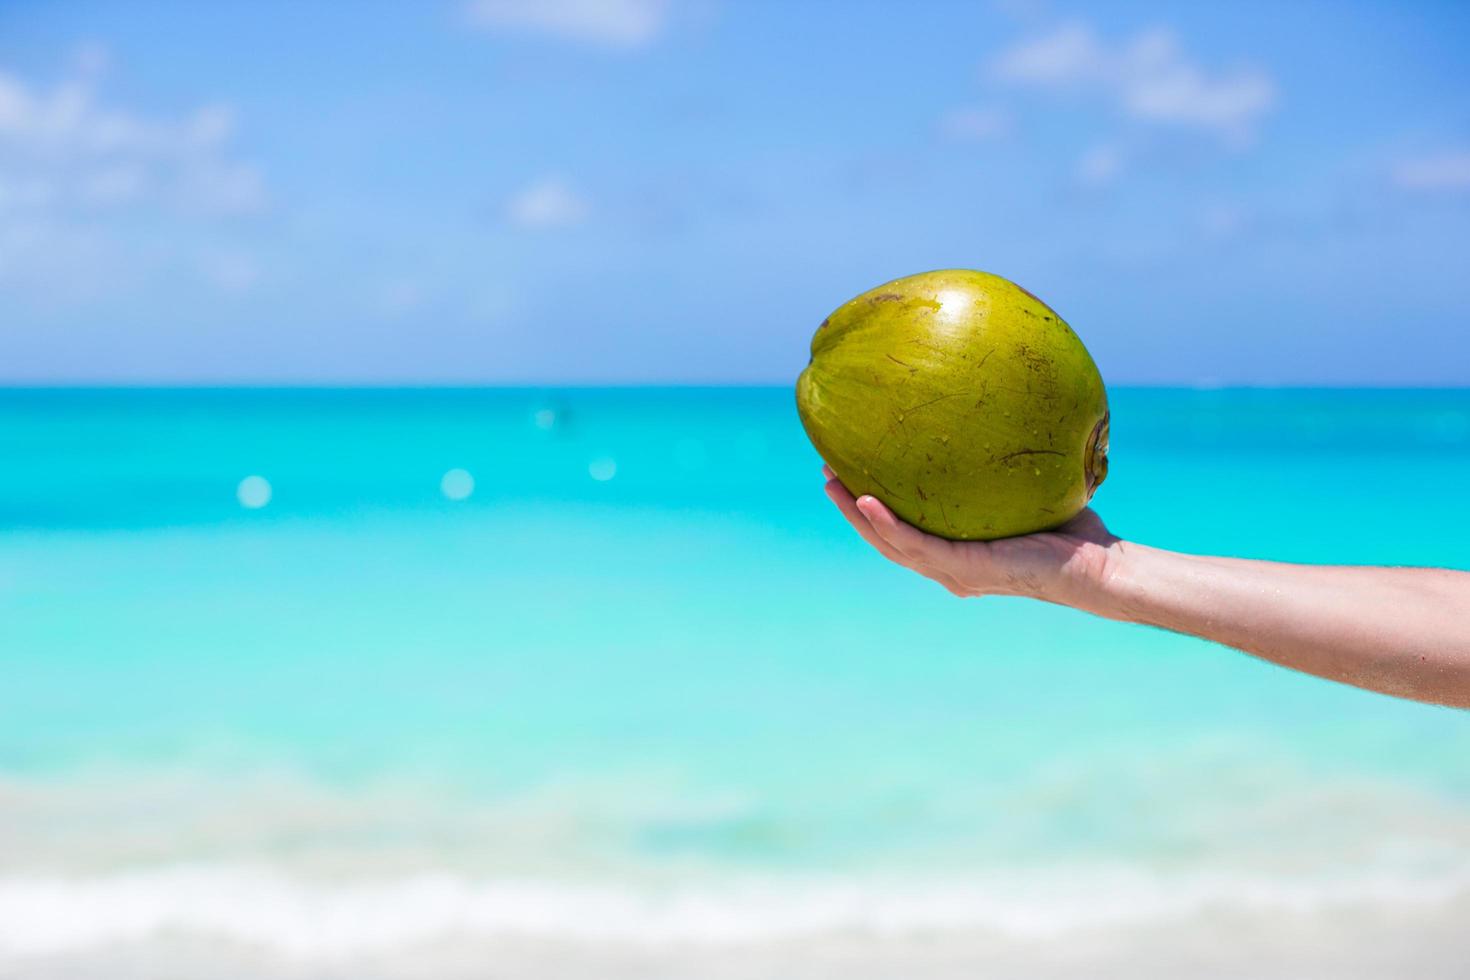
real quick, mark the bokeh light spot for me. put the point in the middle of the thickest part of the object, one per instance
(603, 469)
(457, 484)
(254, 492)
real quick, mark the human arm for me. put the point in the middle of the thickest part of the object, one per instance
(1399, 631)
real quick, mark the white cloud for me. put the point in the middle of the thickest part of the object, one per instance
(1069, 54)
(1220, 222)
(1149, 77)
(1100, 166)
(1022, 10)
(401, 297)
(93, 194)
(548, 203)
(228, 188)
(88, 155)
(113, 184)
(620, 23)
(61, 263)
(1439, 172)
(230, 272)
(973, 124)
(91, 58)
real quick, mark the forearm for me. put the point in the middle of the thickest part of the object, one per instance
(1400, 631)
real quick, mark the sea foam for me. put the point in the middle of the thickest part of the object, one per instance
(320, 919)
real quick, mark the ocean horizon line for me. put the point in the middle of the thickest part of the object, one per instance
(671, 386)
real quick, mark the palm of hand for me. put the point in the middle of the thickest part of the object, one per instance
(1032, 565)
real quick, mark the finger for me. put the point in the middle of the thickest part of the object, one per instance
(925, 554)
(848, 506)
(845, 503)
(905, 537)
(827, 472)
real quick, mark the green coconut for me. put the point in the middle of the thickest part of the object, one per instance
(961, 401)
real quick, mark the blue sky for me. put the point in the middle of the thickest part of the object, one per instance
(677, 191)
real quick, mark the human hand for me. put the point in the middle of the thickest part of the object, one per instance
(1070, 565)
(1398, 631)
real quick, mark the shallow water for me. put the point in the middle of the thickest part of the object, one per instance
(642, 700)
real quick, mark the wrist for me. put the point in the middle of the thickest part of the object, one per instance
(1098, 578)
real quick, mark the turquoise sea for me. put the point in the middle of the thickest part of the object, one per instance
(638, 703)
